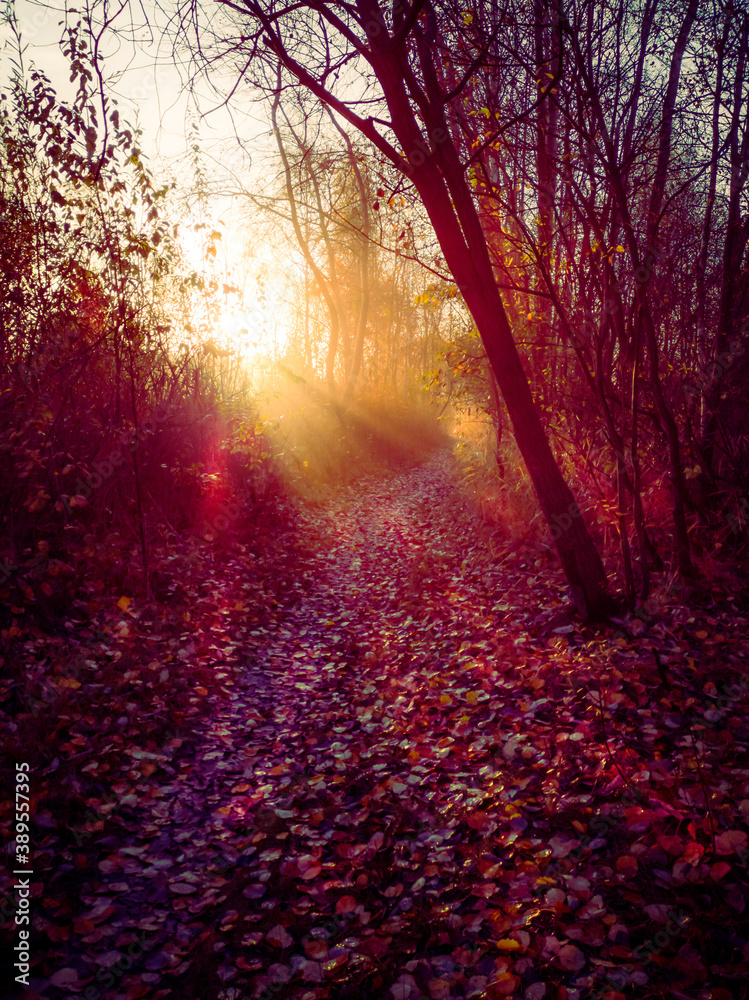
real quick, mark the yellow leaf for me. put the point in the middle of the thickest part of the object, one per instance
(68, 682)
(508, 944)
(620, 248)
(472, 698)
(124, 603)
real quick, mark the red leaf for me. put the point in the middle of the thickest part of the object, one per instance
(627, 865)
(308, 867)
(279, 937)
(719, 869)
(479, 820)
(693, 853)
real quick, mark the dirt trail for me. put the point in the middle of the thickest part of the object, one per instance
(303, 704)
(400, 790)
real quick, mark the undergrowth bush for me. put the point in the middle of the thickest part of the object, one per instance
(119, 428)
(504, 496)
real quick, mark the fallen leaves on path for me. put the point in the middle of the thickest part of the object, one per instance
(388, 776)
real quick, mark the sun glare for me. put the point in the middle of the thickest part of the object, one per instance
(259, 331)
(260, 326)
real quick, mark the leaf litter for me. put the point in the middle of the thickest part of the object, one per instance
(349, 761)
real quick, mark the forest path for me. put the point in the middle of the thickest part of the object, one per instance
(321, 704)
(369, 551)
(394, 602)
(388, 776)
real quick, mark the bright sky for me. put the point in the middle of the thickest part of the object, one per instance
(149, 87)
(141, 70)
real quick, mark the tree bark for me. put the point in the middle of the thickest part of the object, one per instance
(643, 326)
(732, 306)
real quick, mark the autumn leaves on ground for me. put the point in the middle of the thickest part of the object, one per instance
(358, 747)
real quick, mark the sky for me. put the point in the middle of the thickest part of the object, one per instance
(148, 84)
(142, 72)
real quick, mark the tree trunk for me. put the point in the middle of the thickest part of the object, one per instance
(496, 413)
(547, 63)
(438, 175)
(579, 557)
(644, 331)
(730, 311)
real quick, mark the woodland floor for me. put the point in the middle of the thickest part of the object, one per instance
(364, 751)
